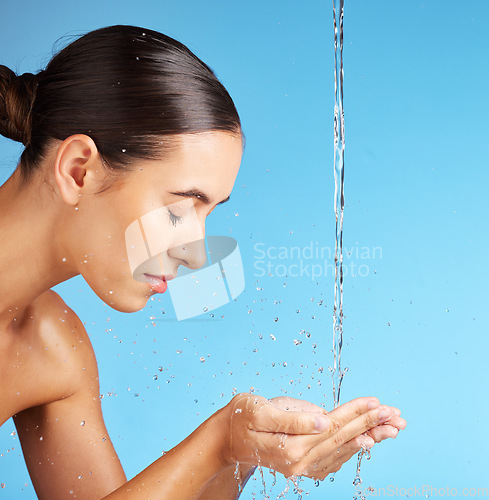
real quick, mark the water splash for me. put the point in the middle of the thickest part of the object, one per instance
(274, 474)
(238, 478)
(262, 477)
(358, 481)
(339, 200)
(285, 491)
(297, 489)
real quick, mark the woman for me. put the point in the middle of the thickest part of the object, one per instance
(122, 123)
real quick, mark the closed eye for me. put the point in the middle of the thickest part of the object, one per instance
(174, 219)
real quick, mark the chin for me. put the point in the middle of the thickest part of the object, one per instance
(126, 299)
(128, 306)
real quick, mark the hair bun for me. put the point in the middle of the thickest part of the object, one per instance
(16, 98)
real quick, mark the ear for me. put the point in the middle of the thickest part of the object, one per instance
(76, 163)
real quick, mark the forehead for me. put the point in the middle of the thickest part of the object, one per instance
(209, 160)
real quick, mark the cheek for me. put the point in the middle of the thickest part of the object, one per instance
(105, 253)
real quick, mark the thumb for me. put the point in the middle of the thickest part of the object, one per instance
(269, 418)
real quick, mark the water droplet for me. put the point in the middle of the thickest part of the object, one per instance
(297, 342)
(124, 150)
(276, 319)
(205, 309)
(80, 476)
(202, 359)
(2, 485)
(238, 410)
(272, 337)
(64, 259)
(82, 423)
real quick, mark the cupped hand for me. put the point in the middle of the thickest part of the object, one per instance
(297, 438)
(389, 429)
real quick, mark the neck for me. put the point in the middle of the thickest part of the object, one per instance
(32, 259)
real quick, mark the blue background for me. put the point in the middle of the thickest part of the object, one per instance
(417, 148)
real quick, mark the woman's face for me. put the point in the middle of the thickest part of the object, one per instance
(167, 203)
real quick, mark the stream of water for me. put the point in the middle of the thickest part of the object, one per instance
(339, 204)
(339, 199)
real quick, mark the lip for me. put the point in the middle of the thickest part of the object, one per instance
(158, 283)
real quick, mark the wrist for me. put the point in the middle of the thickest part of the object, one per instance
(219, 427)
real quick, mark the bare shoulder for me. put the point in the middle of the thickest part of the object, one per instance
(65, 343)
(60, 423)
(58, 325)
(48, 357)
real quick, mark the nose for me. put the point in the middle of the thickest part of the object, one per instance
(191, 254)
(190, 249)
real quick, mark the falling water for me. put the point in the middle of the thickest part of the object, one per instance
(339, 200)
(358, 480)
(339, 203)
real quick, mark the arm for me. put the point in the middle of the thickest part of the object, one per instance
(67, 449)
(186, 470)
(252, 429)
(64, 439)
(227, 485)
(65, 442)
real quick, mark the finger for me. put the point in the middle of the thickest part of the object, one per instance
(353, 409)
(269, 418)
(397, 422)
(332, 463)
(363, 441)
(337, 435)
(397, 411)
(382, 432)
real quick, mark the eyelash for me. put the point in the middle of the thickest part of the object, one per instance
(174, 219)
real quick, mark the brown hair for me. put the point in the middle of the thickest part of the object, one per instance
(128, 88)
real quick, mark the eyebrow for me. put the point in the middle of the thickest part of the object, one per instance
(199, 195)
